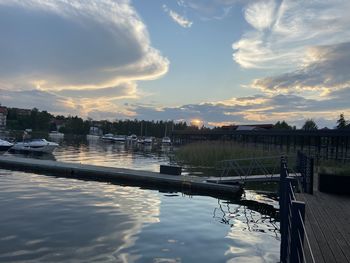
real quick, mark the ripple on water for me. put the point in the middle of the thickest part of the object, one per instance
(48, 219)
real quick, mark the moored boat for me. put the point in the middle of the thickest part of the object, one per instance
(109, 137)
(5, 145)
(166, 141)
(132, 138)
(148, 140)
(119, 138)
(35, 145)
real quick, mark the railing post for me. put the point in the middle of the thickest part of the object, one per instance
(297, 232)
(283, 202)
(311, 178)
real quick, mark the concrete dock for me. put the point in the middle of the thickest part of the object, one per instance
(152, 180)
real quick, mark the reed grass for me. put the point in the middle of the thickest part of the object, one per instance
(334, 167)
(209, 153)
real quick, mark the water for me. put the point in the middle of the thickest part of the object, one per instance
(48, 219)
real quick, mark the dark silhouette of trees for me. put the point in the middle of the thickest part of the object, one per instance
(310, 125)
(282, 126)
(341, 122)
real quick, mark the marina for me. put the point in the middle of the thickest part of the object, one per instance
(134, 219)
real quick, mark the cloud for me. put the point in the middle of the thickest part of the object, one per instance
(29, 99)
(210, 9)
(259, 108)
(260, 15)
(76, 49)
(328, 69)
(282, 31)
(177, 18)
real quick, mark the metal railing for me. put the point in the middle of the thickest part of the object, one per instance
(292, 214)
(245, 167)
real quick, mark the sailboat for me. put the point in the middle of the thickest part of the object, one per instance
(166, 141)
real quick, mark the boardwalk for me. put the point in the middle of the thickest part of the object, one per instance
(327, 222)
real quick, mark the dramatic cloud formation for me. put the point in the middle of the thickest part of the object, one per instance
(177, 18)
(76, 49)
(327, 70)
(254, 109)
(282, 31)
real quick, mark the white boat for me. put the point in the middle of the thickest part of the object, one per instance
(166, 141)
(119, 138)
(5, 145)
(148, 140)
(132, 138)
(35, 145)
(109, 137)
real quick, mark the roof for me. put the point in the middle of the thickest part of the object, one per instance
(246, 128)
(3, 110)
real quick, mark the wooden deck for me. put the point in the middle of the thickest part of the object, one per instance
(327, 222)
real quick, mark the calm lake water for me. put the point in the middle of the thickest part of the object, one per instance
(49, 219)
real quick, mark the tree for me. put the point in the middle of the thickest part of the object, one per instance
(341, 123)
(310, 125)
(282, 126)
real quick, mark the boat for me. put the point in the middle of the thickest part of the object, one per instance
(119, 138)
(5, 145)
(166, 141)
(109, 137)
(132, 138)
(140, 141)
(148, 140)
(35, 145)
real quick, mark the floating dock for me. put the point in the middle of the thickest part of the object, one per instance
(152, 180)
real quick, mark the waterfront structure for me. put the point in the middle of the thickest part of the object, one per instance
(94, 130)
(153, 180)
(325, 143)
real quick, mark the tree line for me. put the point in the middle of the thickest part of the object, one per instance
(311, 125)
(42, 121)
(45, 122)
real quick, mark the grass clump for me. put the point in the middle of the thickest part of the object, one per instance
(209, 153)
(336, 169)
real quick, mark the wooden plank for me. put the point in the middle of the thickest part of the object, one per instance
(314, 246)
(327, 230)
(330, 234)
(339, 221)
(320, 240)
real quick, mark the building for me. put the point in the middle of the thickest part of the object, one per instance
(3, 117)
(95, 131)
(22, 112)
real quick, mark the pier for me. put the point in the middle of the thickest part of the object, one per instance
(152, 180)
(315, 226)
(327, 221)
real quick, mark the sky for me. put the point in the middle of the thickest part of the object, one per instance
(218, 62)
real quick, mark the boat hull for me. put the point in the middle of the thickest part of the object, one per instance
(42, 146)
(4, 148)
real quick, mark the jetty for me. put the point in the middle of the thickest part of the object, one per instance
(314, 225)
(147, 179)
